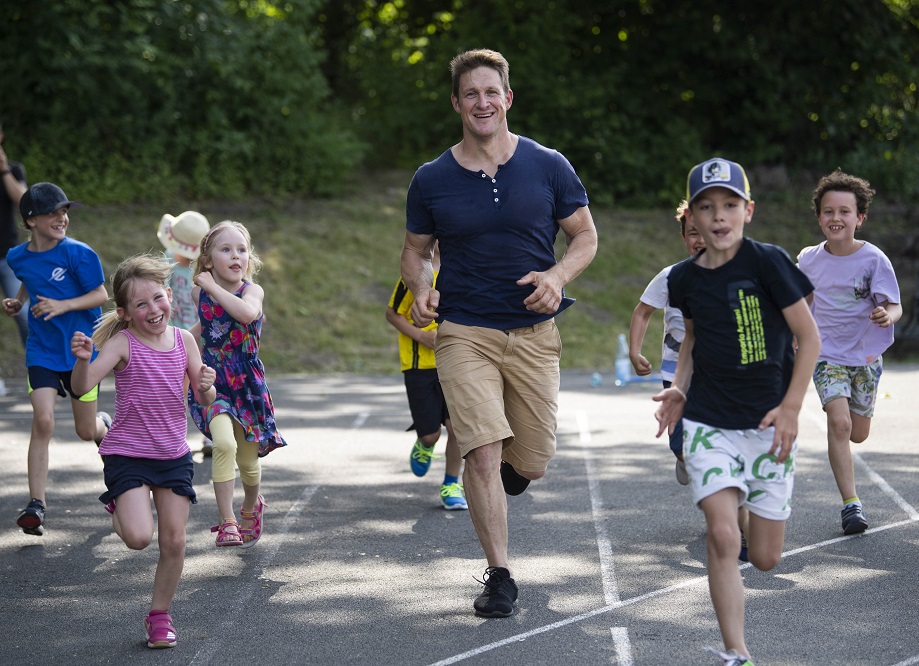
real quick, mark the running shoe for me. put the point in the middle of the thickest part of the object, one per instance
(499, 595)
(743, 556)
(854, 519)
(513, 483)
(32, 518)
(731, 658)
(107, 420)
(682, 476)
(452, 497)
(420, 458)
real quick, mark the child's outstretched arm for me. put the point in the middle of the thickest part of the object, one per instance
(785, 416)
(638, 326)
(86, 375)
(48, 308)
(673, 399)
(245, 310)
(12, 306)
(887, 314)
(200, 377)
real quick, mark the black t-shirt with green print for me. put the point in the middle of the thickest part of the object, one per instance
(743, 354)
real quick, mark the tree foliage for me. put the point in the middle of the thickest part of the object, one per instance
(636, 91)
(139, 99)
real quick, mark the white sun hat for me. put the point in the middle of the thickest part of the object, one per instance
(182, 235)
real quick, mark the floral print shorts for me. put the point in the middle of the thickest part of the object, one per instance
(858, 383)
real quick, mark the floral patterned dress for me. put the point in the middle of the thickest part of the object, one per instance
(231, 349)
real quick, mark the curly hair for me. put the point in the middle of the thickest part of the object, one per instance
(839, 181)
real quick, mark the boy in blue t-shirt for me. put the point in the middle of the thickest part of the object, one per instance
(739, 385)
(63, 280)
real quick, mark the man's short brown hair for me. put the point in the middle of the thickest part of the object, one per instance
(470, 60)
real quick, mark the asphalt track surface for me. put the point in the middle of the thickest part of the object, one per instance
(360, 565)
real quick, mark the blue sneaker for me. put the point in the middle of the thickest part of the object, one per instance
(452, 497)
(743, 556)
(420, 458)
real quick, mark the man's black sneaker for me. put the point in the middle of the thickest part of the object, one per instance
(854, 519)
(499, 595)
(514, 484)
(32, 518)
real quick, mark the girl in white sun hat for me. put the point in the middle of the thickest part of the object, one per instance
(181, 236)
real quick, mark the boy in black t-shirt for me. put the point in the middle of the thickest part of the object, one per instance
(739, 385)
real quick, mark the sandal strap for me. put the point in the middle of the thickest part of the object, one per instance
(228, 533)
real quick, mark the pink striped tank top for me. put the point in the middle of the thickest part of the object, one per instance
(150, 419)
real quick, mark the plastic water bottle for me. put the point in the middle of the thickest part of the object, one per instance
(623, 364)
(596, 379)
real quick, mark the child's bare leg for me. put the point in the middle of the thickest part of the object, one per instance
(133, 518)
(223, 492)
(454, 460)
(89, 426)
(724, 582)
(42, 400)
(839, 431)
(172, 515)
(861, 426)
(765, 542)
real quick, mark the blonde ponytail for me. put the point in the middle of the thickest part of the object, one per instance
(106, 327)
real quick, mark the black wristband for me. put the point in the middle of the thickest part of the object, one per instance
(3, 173)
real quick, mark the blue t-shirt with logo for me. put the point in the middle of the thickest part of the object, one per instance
(493, 230)
(68, 270)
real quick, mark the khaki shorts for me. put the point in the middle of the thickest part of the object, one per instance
(502, 386)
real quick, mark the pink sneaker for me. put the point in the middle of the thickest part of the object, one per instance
(160, 632)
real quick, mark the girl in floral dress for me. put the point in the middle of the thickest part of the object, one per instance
(241, 420)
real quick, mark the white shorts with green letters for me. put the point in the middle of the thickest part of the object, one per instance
(717, 459)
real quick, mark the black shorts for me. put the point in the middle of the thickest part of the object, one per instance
(40, 377)
(123, 473)
(425, 401)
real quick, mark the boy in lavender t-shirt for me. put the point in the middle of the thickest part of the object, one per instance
(856, 302)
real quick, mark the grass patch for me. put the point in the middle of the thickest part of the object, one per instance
(331, 265)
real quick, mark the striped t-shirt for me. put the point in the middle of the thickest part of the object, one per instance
(150, 420)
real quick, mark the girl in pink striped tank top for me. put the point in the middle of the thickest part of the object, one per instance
(145, 452)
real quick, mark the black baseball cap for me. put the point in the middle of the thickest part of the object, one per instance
(43, 198)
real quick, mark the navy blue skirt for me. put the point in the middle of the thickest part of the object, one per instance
(123, 473)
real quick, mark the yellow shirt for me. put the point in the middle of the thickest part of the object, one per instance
(412, 354)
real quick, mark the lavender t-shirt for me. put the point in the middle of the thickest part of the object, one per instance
(846, 291)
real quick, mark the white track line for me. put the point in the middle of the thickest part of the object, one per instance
(604, 545)
(584, 436)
